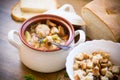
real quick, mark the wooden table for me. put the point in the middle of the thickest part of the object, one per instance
(10, 66)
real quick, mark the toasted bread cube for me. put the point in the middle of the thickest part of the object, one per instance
(110, 68)
(106, 55)
(85, 55)
(96, 71)
(116, 69)
(96, 58)
(78, 62)
(103, 71)
(90, 56)
(98, 65)
(109, 74)
(104, 78)
(103, 65)
(89, 70)
(83, 66)
(104, 60)
(89, 77)
(95, 61)
(76, 77)
(76, 66)
(89, 64)
(80, 73)
(110, 63)
(90, 74)
(94, 53)
(79, 57)
(99, 56)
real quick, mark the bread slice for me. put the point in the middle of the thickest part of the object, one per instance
(100, 25)
(19, 15)
(37, 5)
(16, 13)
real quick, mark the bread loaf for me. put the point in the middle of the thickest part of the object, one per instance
(37, 5)
(112, 6)
(100, 24)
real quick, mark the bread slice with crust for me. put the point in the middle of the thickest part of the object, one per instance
(37, 5)
(25, 9)
(19, 15)
(16, 13)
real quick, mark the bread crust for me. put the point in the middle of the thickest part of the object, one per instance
(98, 10)
(14, 16)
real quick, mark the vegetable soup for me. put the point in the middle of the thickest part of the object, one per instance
(42, 33)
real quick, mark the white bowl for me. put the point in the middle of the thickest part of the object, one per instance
(91, 46)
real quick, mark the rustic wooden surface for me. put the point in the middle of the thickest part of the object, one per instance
(10, 66)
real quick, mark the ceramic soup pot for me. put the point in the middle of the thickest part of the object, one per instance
(39, 60)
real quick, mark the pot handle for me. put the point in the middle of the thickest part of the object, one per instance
(67, 8)
(11, 38)
(82, 37)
